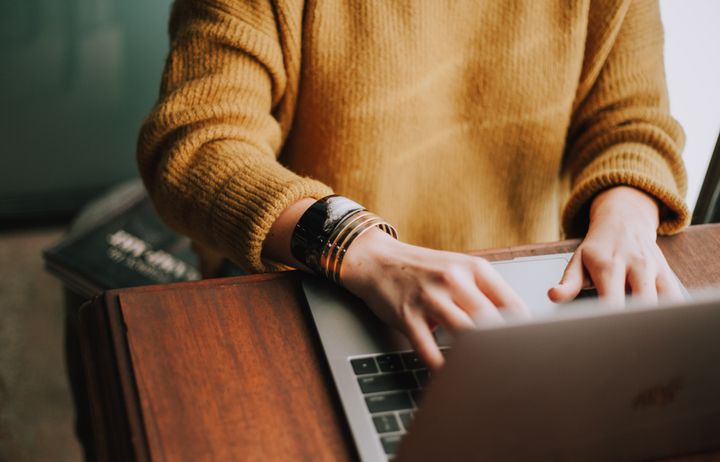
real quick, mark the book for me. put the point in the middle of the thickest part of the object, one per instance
(120, 241)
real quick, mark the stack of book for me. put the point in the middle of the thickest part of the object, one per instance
(120, 241)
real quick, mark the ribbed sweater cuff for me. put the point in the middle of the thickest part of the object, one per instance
(633, 165)
(246, 208)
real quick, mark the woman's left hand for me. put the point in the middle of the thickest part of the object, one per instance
(619, 253)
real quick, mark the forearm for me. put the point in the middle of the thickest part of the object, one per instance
(623, 133)
(207, 152)
(276, 246)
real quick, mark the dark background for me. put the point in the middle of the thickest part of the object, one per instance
(77, 78)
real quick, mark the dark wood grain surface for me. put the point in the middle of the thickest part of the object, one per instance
(230, 372)
(231, 369)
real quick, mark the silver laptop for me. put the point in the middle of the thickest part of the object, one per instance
(545, 378)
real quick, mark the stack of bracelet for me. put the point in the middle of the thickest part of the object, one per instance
(328, 228)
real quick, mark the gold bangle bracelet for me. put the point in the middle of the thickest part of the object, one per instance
(354, 233)
(382, 224)
(341, 238)
(343, 235)
(341, 249)
(338, 234)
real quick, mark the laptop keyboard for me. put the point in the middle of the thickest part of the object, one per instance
(391, 384)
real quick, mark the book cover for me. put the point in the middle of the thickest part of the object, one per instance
(120, 241)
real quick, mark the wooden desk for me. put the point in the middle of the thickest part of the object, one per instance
(231, 369)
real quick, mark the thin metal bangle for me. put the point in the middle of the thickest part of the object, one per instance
(340, 238)
(338, 234)
(358, 232)
(339, 251)
(341, 226)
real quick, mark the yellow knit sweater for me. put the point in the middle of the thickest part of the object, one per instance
(466, 124)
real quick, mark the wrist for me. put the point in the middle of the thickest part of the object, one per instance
(328, 229)
(627, 205)
(364, 255)
(276, 246)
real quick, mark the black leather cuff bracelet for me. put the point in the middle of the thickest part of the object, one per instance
(315, 227)
(326, 230)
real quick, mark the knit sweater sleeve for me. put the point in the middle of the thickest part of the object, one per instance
(208, 151)
(622, 132)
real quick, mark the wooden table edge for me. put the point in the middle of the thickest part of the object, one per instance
(111, 382)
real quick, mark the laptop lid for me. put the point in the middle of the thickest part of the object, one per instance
(623, 385)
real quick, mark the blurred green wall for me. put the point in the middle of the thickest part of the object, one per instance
(76, 79)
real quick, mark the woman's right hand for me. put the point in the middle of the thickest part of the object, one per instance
(415, 289)
(411, 288)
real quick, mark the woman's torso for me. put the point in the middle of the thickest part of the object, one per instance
(449, 119)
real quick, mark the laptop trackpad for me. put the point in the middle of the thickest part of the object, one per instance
(531, 278)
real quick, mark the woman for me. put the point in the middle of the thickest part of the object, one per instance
(464, 124)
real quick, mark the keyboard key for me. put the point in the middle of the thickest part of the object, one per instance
(389, 363)
(422, 376)
(387, 382)
(412, 360)
(388, 402)
(406, 418)
(391, 443)
(364, 365)
(386, 423)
